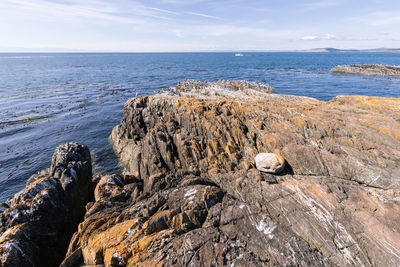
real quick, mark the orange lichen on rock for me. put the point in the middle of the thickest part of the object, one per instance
(342, 160)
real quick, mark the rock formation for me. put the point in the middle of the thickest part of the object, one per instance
(369, 69)
(181, 220)
(337, 197)
(38, 222)
(194, 195)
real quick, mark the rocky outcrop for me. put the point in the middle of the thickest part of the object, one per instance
(238, 88)
(181, 220)
(341, 139)
(221, 174)
(349, 224)
(38, 222)
(369, 69)
(337, 198)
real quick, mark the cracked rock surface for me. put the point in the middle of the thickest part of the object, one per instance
(38, 222)
(182, 220)
(336, 202)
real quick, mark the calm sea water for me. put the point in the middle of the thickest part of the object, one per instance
(49, 99)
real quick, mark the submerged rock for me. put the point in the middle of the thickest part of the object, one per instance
(337, 198)
(270, 162)
(369, 69)
(37, 223)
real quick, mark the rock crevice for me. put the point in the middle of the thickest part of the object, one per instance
(38, 222)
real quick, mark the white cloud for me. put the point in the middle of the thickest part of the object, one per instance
(162, 10)
(96, 10)
(379, 19)
(221, 30)
(321, 4)
(134, 13)
(319, 37)
(169, 46)
(182, 2)
(178, 33)
(342, 38)
(203, 15)
(124, 25)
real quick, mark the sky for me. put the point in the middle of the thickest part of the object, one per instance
(197, 25)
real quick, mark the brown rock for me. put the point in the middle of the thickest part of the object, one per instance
(192, 223)
(339, 191)
(340, 138)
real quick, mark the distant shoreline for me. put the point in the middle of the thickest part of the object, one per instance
(330, 50)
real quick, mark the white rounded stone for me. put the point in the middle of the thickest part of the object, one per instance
(270, 162)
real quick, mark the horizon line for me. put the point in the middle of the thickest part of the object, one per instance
(204, 51)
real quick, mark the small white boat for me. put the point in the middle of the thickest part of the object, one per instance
(238, 55)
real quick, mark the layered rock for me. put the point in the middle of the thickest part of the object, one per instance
(369, 69)
(38, 222)
(181, 220)
(337, 196)
(341, 139)
(349, 224)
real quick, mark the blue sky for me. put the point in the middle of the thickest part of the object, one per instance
(197, 25)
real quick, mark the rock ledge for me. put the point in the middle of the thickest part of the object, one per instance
(339, 191)
(369, 69)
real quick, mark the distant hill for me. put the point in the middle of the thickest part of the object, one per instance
(327, 50)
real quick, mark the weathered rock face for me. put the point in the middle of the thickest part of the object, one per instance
(181, 220)
(338, 193)
(369, 69)
(341, 139)
(349, 224)
(38, 222)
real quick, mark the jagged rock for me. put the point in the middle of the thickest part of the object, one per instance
(339, 139)
(37, 223)
(190, 221)
(270, 162)
(349, 224)
(339, 191)
(231, 88)
(369, 69)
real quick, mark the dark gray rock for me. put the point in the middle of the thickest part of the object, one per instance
(38, 222)
(369, 69)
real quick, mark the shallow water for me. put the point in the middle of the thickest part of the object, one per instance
(50, 99)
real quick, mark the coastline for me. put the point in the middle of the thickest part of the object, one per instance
(80, 96)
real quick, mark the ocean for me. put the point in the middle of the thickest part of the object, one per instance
(50, 99)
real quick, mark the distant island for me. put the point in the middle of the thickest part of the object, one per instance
(325, 50)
